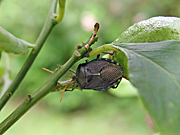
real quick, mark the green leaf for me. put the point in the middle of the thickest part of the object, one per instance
(152, 30)
(153, 68)
(11, 44)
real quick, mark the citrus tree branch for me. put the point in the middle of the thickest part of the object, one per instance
(49, 24)
(49, 86)
(46, 88)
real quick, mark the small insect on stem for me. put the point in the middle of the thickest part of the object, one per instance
(98, 74)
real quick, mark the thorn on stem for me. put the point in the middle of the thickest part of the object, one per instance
(86, 60)
(78, 47)
(9, 94)
(59, 66)
(28, 97)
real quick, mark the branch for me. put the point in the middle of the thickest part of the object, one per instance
(61, 10)
(46, 88)
(101, 49)
(49, 86)
(50, 22)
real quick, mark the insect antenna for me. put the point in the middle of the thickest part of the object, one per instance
(63, 75)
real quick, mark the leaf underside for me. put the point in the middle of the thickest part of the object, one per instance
(149, 52)
(154, 68)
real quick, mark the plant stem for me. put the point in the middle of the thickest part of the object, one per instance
(50, 22)
(121, 55)
(46, 88)
(61, 10)
(100, 49)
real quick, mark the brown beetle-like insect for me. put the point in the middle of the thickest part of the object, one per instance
(99, 74)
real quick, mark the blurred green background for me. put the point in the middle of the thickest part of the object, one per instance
(117, 111)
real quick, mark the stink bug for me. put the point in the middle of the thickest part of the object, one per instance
(99, 74)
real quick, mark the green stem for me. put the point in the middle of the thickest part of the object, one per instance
(121, 55)
(49, 86)
(61, 11)
(103, 48)
(50, 22)
(46, 88)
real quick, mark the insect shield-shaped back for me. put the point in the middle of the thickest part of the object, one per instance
(99, 74)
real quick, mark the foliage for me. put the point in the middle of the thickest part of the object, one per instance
(153, 70)
(134, 58)
(11, 44)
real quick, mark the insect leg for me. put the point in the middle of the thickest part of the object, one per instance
(62, 92)
(48, 70)
(109, 53)
(98, 56)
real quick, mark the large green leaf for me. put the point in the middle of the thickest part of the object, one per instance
(154, 68)
(9, 43)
